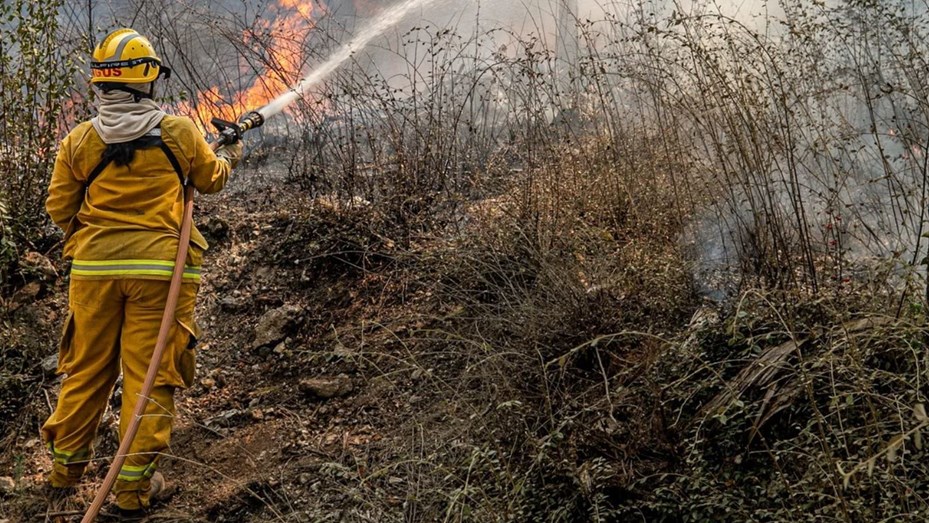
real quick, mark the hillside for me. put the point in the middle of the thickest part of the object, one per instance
(673, 273)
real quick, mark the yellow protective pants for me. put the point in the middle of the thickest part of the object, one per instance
(113, 324)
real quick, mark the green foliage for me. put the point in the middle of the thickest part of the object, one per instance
(36, 76)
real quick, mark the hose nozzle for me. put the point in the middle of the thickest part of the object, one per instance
(231, 132)
(251, 120)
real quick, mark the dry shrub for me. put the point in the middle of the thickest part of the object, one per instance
(566, 281)
(794, 410)
(575, 249)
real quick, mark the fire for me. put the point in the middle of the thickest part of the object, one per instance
(305, 10)
(279, 47)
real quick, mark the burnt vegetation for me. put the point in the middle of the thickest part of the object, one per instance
(678, 274)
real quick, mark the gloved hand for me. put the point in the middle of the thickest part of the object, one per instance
(232, 152)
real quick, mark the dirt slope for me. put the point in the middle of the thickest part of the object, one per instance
(304, 374)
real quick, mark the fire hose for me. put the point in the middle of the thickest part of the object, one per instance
(229, 132)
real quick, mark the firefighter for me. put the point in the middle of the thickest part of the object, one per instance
(117, 192)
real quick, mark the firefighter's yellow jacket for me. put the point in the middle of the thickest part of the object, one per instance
(126, 223)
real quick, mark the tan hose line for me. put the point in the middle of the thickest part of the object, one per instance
(167, 320)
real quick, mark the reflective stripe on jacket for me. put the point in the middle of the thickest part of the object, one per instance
(126, 224)
(105, 269)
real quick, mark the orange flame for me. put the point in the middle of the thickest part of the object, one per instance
(282, 62)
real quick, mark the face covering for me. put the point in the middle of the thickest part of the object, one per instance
(122, 119)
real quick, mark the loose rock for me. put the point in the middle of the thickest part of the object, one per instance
(275, 324)
(326, 388)
(50, 364)
(214, 228)
(25, 295)
(35, 264)
(231, 304)
(7, 485)
(227, 418)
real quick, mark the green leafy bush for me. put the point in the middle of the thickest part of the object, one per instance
(36, 77)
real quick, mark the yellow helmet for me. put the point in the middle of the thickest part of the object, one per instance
(126, 57)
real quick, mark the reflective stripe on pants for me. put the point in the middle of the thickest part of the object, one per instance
(113, 324)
